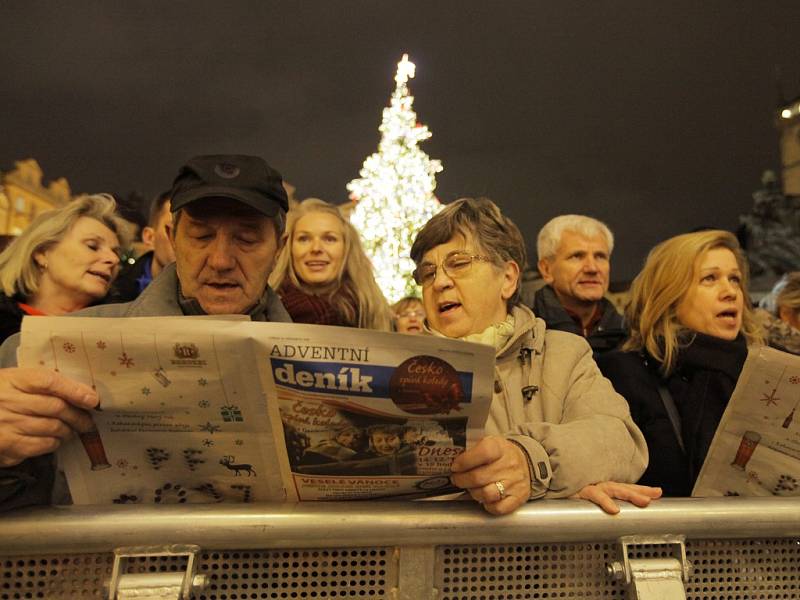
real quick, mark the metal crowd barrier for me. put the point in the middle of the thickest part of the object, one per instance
(726, 548)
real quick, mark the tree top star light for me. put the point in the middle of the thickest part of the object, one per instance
(394, 195)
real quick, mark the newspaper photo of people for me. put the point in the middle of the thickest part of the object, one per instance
(411, 447)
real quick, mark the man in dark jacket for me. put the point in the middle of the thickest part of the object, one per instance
(574, 261)
(229, 214)
(137, 275)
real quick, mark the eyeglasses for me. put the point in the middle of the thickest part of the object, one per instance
(456, 264)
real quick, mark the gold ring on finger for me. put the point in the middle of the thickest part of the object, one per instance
(501, 489)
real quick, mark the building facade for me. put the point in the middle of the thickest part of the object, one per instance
(788, 123)
(23, 196)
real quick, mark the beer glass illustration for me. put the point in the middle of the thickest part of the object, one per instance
(748, 444)
(93, 445)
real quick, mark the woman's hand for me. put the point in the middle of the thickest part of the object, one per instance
(495, 473)
(604, 493)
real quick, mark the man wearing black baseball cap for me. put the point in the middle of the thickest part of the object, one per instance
(229, 212)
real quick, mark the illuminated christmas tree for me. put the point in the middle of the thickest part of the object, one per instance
(394, 195)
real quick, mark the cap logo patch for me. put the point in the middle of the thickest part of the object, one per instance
(227, 170)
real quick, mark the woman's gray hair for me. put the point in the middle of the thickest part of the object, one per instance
(549, 237)
(19, 272)
(479, 220)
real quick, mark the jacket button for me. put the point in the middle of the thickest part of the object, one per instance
(498, 387)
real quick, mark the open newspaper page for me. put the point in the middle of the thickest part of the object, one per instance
(183, 416)
(212, 410)
(372, 414)
(756, 450)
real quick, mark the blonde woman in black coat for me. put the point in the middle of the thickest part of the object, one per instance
(691, 323)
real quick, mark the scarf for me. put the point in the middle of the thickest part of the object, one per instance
(308, 308)
(496, 335)
(704, 378)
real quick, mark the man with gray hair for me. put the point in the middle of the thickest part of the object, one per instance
(574, 261)
(229, 212)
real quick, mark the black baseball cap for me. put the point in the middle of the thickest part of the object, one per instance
(248, 179)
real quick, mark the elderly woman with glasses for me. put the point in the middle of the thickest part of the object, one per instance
(556, 427)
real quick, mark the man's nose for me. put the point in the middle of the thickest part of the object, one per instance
(220, 254)
(590, 265)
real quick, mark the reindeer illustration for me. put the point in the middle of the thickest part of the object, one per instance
(227, 461)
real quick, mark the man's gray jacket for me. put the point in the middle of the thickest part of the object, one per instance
(31, 482)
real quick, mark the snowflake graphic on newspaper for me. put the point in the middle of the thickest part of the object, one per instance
(770, 399)
(210, 428)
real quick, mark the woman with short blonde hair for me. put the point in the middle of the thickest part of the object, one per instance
(691, 323)
(65, 260)
(322, 273)
(663, 282)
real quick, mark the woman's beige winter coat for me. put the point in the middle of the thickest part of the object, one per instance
(550, 397)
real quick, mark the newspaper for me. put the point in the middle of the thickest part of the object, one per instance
(756, 449)
(212, 410)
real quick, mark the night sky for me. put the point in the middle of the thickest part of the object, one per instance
(654, 117)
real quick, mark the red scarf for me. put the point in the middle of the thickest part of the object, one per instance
(29, 310)
(307, 308)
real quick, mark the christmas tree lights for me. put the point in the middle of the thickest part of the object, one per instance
(394, 195)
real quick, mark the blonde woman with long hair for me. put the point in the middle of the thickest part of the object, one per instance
(691, 323)
(65, 260)
(322, 273)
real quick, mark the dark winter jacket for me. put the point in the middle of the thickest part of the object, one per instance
(608, 334)
(10, 317)
(701, 385)
(131, 280)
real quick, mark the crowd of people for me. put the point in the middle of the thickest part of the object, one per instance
(587, 403)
